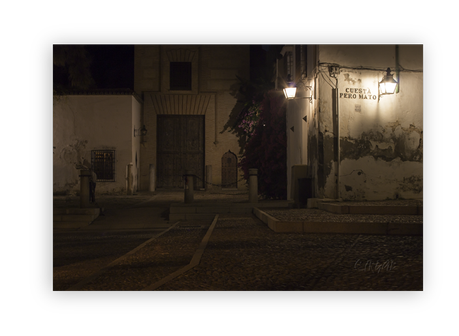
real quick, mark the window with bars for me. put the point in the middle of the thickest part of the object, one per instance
(103, 164)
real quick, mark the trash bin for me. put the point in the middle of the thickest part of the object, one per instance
(304, 191)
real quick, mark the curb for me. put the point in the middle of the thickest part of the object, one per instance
(371, 209)
(194, 261)
(371, 228)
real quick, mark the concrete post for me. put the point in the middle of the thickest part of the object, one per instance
(84, 188)
(208, 185)
(129, 179)
(152, 178)
(253, 185)
(189, 187)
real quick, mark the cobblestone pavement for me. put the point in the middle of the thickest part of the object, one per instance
(153, 262)
(76, 255)
(243, 254)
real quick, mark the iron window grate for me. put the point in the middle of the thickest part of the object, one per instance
(103, 164)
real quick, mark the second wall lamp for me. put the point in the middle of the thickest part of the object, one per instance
(388, 84)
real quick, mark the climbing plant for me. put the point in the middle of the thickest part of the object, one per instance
(258, 121)
(266, 148)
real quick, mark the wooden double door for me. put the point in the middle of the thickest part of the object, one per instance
(180, 147)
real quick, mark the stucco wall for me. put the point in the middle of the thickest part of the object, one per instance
(298, 121)
(92, 122)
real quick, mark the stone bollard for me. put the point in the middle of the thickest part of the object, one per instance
(85, 175)
(189, 186)
(152, 178)
(253, 185)
(208, 185)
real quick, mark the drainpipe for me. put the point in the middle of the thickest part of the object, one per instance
(338, 144)
(334, 71)
(337, 137)
(397, 69)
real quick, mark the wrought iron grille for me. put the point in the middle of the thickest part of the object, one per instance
(103, 164)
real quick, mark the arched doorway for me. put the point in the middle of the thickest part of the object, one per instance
(229, 170)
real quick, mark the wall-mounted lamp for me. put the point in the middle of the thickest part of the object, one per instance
(290, 92)
(388, 84)
(140, 131)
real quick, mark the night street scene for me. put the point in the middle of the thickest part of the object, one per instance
(237, 167)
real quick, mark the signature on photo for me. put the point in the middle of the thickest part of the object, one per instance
(374, 266)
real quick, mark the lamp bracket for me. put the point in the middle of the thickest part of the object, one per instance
(304, 86)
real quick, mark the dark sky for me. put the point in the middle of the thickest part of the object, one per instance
(112, 66)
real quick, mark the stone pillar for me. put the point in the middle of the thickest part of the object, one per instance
(189, 186)
(129, 179)
(253, 185)
(152, 178)
(84, 188)
(208, 185)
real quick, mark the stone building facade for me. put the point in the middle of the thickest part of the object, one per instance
(98, 129)
(351, 141)
(188, 93)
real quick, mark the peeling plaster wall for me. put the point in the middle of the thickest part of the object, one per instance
(92, 122)
(381, 138)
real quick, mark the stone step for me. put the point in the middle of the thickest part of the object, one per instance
(187, 217)
(74, 218)
(204, 211)
(210, 210)
(76, 211)
(71, 224)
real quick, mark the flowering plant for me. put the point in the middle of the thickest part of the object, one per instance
(250, 118)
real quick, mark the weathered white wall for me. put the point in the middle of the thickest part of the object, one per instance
(92, 122)
(380, 137)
